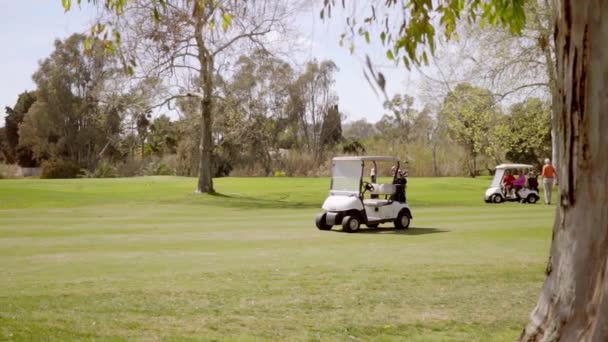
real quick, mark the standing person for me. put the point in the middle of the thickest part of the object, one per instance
(372, 176)
(549, 177)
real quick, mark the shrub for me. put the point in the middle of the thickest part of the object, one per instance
(58, 168)
(103, 170)
(164, 170)
(129, 168)
(8, 171)
(159, 167)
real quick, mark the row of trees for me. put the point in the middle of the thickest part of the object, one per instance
(468, 133)
(85, 111)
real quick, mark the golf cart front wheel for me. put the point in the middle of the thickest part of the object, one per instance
(350, 224)
(403, 220)
(496, 198)
(532, 199)
(320, 221)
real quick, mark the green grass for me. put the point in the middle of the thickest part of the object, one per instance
(145, 258)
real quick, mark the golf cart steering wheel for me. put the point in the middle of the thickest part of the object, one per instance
(368, 186)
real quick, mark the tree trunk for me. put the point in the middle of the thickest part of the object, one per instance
(205, 180)
(435, 160)
(573, 305)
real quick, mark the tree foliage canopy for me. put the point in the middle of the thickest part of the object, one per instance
(409, 29)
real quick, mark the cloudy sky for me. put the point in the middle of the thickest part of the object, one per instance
(29, 28)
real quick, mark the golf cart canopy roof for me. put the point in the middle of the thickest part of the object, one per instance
(514, 166)
(362, 158)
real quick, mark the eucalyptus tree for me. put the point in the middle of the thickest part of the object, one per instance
(190, 43)
(470, 114)
(65, 121)
(513, 67)
(14, 117)
(312, 97)
(259, 90)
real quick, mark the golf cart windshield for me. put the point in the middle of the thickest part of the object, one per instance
(497, 178)
(346, 175)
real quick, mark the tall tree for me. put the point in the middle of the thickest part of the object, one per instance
(359, 130)
(470, 113)
(401, 106)
(14, 117)
(188, 44)
(259, 91)
(514, 67)
(65, 121)
(525, 134)
(312, 97)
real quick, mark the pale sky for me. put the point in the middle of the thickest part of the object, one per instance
(29, 28)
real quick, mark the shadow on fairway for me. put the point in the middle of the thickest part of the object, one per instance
(245, 202)
(410, 231)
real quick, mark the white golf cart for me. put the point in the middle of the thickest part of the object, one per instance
(496, 193)
(346, 204)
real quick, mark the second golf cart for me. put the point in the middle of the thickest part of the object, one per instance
(497, 193)
(346, 204)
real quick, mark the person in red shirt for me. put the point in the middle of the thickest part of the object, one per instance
(549, 177)
(507, 182)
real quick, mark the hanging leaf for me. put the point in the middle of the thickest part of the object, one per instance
(67, 4)
(226, 21)
(87, 44)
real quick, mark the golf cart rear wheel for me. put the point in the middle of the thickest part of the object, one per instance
(403, 220)
(532, 198)
(350, 224)
(321, 222)
(496, 198)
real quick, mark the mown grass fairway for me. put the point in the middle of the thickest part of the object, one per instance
(145, 258)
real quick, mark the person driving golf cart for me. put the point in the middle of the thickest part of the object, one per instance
(507, 183)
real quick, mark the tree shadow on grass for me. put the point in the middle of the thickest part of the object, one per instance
(246, 202)
(391, 230)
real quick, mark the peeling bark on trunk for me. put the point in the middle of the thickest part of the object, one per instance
(573, 305)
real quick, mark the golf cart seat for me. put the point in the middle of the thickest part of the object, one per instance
(383, 189)
(376, 202)
(380, 189)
